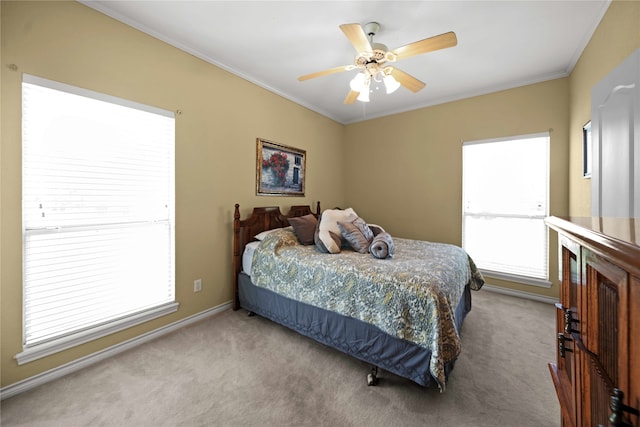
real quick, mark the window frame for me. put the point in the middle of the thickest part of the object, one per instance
(510, 276)
(54, 345)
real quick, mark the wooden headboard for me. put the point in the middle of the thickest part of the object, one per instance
(261, 219)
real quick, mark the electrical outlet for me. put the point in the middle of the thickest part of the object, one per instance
(197, 285)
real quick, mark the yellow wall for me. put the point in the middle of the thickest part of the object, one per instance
(617, 36)
(215, 148)
(413, 161)
(417, 192)
(417, 155)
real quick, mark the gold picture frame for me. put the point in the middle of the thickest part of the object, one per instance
(280, 169)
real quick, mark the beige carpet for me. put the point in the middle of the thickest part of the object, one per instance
(234, 370)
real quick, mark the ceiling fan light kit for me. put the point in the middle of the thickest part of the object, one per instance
(391, 83)
(363, 96)
(358, 82)
(371, 60)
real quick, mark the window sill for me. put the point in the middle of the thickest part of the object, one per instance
(46, 349)
(542, 283)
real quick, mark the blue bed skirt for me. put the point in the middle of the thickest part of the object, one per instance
(351, 336)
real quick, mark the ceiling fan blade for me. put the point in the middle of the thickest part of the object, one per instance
(326, 72)
(427, 45)
(357, 37)
(351, 97)
(407, 80)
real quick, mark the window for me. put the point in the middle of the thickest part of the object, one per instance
(98, 215)
(505, 201)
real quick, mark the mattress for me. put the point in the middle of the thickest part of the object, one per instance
(354, 337)
(418, 297)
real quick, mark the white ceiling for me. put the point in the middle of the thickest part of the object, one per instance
(501, 44)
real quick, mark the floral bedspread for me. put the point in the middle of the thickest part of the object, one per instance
(411, 296)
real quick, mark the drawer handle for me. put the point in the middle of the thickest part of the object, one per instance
(562, 346)
(569, 321)
(616, 419)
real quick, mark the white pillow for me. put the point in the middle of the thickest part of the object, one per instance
(247, 256)
(328, 225)
(261, 236)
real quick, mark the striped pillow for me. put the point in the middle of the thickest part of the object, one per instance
(356, 231)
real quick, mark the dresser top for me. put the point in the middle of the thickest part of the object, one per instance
(619, 237)
(625, 229)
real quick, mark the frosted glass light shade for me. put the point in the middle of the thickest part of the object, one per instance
(364, 95)
(357, 83)
(391, 83)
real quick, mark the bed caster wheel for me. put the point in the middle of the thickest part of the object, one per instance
(372, 378)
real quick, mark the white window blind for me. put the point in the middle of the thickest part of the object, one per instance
(98, 211)
(505, 201)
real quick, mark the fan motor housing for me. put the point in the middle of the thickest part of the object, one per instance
(380, 52)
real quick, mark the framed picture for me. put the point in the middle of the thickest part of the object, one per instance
(280, 170)
(586, 150)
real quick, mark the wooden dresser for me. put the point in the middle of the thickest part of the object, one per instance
(597, 368)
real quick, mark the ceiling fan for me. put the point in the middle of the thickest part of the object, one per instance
(373, 60)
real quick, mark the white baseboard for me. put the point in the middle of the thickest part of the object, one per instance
(83, 362)
(521, 294)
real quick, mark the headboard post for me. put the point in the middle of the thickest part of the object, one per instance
(261, 219)
(237, 261)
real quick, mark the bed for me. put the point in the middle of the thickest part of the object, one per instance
(402, 314)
